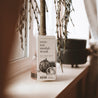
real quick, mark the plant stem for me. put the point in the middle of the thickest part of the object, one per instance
(61, 66)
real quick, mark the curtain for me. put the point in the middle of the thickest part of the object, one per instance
(91, 7)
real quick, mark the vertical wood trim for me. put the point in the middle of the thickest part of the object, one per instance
(42, 18)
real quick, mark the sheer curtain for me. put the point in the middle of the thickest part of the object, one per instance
(91, 7)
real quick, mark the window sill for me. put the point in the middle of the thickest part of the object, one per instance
(26, 87)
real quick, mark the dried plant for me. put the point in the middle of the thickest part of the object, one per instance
(62, 23)
(22, 21)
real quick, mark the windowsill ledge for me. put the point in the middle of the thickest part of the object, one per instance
(26, 87)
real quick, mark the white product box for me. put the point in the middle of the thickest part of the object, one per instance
(46, 59)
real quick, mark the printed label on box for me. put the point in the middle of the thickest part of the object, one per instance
(46, 61)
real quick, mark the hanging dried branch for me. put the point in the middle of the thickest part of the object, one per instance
(62, 23)
(21, 25)
(22, 21)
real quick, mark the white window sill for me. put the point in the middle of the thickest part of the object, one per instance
(26, 87)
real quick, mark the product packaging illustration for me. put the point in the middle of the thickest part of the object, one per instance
(46, 61)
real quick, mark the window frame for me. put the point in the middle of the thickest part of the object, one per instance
(21, 65)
